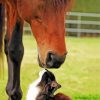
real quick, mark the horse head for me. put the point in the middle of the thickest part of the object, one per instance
(46, 18)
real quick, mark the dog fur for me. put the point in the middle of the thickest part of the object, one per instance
(44, 88)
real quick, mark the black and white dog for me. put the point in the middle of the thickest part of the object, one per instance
(44, 87)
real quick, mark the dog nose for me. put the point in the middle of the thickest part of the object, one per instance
(54, 61)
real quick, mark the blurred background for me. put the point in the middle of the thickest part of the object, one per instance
(80, 74)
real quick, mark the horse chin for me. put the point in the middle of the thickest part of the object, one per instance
(40, 63)
(44, 65)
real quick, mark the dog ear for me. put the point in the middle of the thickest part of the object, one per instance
(55, 85)
(51, 87)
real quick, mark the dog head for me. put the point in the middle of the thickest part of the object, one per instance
(44, 87)
(48, 83)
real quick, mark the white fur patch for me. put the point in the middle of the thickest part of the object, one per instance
(33, 90)
(41, 73)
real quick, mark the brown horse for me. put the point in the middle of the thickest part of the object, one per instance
(46, 19)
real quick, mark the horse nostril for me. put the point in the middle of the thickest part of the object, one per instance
(54, 61)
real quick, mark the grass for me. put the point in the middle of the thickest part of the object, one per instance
(89, 6)
(79, 75)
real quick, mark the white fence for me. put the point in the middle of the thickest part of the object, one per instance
(79, 22)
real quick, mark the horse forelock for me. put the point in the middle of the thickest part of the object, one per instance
(56, 4)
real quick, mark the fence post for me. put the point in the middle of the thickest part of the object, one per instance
(79, 25)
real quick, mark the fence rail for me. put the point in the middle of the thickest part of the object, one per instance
(78, 22)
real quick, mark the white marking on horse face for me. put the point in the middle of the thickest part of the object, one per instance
(34, 90)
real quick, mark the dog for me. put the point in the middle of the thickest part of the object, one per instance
(44, 88)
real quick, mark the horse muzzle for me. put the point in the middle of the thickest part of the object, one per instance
(52, 61)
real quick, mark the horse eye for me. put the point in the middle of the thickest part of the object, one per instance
(39, 19)
(36, 17)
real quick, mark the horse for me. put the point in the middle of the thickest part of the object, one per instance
(46, 19)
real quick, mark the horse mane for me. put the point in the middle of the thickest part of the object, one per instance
(57, 4)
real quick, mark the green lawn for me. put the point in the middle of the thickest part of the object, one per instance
(89, 6)
(79, 75)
